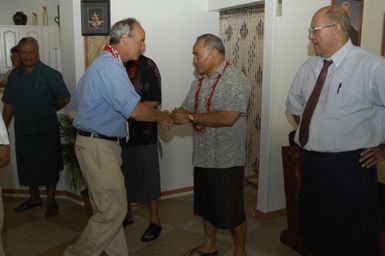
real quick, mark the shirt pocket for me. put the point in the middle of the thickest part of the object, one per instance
(346, 97)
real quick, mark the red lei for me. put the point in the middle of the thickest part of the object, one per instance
(114, 52)
(208, 103)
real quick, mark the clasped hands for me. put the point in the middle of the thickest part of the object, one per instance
(177, 116)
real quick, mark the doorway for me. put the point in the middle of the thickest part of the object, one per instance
(242, 32)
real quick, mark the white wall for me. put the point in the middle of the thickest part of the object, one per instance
(10, 7)
(286, 47)
(71, 45)
(373, 20)
(224, 4)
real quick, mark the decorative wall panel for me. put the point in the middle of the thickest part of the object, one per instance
(242, 32)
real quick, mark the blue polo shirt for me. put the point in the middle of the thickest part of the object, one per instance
(105, 98)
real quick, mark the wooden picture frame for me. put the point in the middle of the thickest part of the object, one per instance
(95, 17)
(383, 40)
(356, 12)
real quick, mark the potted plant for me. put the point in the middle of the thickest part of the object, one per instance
(73, 178)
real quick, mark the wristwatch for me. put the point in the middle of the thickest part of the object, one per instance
(191, 118)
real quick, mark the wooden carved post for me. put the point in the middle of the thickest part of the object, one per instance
(291, 236)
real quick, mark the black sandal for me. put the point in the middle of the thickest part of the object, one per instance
(127, 222)
(52, 209)
(27, 205)
(151, 233)
(196, 251)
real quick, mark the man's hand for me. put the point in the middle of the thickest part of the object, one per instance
(180, 116)
(371, 156)
(167, 121)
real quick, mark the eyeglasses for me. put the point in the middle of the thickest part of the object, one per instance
(314, 30)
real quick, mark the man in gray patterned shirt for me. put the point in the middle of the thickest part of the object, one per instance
(216, 107)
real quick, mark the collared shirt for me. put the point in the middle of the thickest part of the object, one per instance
(221, 147)
(350, 113)
(147, 84)
(33, 96)
(105, 98)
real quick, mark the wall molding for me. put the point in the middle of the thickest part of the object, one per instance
(77, 198)
(269, 215)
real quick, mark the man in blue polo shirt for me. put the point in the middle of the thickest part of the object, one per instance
(105, 99)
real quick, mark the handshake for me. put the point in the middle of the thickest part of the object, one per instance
(177, 116)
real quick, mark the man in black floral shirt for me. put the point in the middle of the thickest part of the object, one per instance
(140, 152)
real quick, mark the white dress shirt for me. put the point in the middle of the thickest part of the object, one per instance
(350, 113)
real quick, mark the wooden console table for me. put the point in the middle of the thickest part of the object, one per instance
(292, 177)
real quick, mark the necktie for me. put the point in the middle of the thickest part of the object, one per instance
(312, 103)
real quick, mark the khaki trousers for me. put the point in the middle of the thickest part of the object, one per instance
(100, 164)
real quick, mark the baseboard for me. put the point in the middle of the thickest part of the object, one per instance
(77, 198)
(269, 215)
(25, 192)
(177, 192)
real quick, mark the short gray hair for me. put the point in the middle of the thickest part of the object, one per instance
(121, 28)
(338, 15)
(212, 41)
(27, 39)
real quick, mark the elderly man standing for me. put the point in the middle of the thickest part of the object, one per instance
(105, 99)
(338, 99)
(33, 94)
(216, 107)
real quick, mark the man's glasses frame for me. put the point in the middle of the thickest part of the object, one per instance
(314, 30)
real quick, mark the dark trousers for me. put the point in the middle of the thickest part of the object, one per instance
(339, 204)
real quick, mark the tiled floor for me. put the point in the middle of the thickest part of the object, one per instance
(30, 233)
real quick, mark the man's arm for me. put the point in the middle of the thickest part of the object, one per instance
(297, 119)
(153, 104)
(7, 114)
(5, 155)
(147, 113)
(211, 119)
(61, 103)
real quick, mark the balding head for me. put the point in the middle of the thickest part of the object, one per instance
(330, 29)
